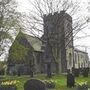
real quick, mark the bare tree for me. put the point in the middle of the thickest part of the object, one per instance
(9, 20)
(42, 7)
(34, 22)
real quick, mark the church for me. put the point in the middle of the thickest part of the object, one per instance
(53, 51)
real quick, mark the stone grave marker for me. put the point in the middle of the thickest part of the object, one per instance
(34, 84)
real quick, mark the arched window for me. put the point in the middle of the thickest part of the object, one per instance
(70, 59)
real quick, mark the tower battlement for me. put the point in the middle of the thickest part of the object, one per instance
(62, 14)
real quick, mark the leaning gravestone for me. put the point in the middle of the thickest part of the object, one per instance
(34, 84)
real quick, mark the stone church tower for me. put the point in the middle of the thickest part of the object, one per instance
(59, 42)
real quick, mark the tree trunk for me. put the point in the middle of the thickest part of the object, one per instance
(49, 74)
(31, 71)
(57, 68)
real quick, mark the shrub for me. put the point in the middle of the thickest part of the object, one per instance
(82, 86)
(6, 87)
(76, 72)
(9, 85)
(85, 72)
(50, 83)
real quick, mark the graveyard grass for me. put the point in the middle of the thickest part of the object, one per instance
(60, 81)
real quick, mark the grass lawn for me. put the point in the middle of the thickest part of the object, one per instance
(60, 81)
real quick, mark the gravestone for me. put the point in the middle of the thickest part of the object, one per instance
(70, 80)
(34, 84)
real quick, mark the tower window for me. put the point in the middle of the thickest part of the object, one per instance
(70, 59)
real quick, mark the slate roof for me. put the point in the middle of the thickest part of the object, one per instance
(34, 42)
(76, 49)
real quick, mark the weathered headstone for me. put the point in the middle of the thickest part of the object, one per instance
(34, 84)
(70, 80)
